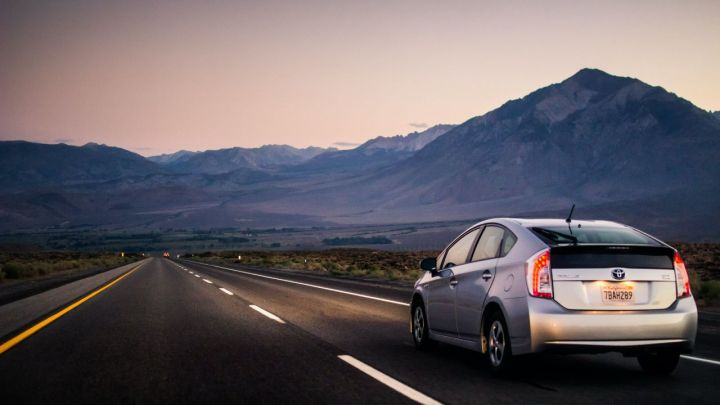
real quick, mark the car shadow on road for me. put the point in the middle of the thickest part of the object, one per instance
(551, 371)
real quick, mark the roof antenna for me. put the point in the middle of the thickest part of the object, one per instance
(569, 218)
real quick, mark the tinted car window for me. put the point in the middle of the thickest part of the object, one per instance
(577, 257)
(507, 243)
(489, 243)
(597, 234)
(458, 253)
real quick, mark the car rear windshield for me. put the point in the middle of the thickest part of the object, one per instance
(600, 256)
(588, 234)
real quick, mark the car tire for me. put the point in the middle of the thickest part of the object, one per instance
(419, 326)
(659, 363)
(499, 352)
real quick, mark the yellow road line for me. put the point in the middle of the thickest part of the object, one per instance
(47, 321)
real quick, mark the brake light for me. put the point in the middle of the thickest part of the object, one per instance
(681, 277)
(537, 272)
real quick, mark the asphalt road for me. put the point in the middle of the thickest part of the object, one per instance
(163, 334)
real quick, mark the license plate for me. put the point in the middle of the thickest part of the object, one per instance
(618, 294)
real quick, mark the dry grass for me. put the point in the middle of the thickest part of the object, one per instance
(358, 263)
(27, 265)
(703, 263)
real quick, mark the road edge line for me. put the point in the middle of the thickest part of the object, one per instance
(700, 359)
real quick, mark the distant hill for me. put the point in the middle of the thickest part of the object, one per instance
(230, 159)
(411, 142)
(32, 166)
(716, 114)
(373, 154)
(171, 157)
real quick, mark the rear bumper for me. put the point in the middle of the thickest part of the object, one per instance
(554, 328)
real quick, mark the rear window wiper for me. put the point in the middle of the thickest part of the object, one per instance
(555, 235)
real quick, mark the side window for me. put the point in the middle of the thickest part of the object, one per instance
(457, 254)
(507, 243)
(489, 244)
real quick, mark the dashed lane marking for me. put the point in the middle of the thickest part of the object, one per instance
(404, 389)
(266, 313)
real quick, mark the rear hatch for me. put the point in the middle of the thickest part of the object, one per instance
(613, 277)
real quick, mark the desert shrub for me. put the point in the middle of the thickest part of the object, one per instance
(709, 292)
(376, 273)
(393, 274)
(12, 270)
(331, 266)
(355, 272)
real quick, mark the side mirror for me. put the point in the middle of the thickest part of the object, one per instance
(429, 264)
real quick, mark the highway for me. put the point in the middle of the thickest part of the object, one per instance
(186, 332)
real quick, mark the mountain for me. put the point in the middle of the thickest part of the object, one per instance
(230, 159)
(373, 154)
(411, 142)
(171, 157)
(593, 139)
(716, 114)
(32, 166)
(617, 147)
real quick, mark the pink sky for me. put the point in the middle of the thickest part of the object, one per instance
(158, 76)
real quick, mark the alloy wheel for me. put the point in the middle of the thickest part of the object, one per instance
(418, 324)
(496, 343)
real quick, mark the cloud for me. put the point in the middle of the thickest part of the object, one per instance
(418, 125)
(345, 144)
(63, 140)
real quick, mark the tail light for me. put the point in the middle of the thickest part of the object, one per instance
(681, 277)
(537, 272)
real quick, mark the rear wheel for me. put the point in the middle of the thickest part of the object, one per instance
(498, 343)
(663, 362)
(420, 327)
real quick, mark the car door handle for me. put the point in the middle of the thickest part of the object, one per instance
(453, 282)
(486, 275)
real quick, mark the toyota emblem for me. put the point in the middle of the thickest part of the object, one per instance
(618, 274)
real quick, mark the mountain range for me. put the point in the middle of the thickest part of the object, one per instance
(617, 147)
(230, 159)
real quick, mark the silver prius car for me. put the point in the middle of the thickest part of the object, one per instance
(508, 287)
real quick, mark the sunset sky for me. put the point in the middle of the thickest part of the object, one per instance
(159, 76)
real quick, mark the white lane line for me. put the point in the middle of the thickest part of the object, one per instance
(370, 297)
(700, 359)
(226, 291)
(192, 272)
(197, 275)
(207, 281)
(409, 392)
(266, 313)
